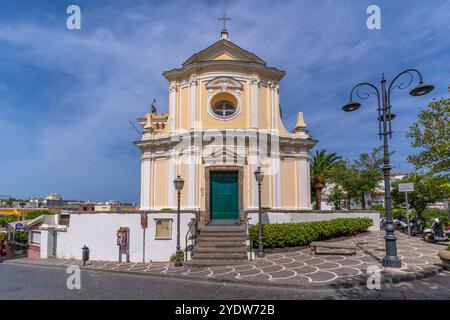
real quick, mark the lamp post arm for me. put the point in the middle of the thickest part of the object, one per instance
(403, 85)
(366, 94)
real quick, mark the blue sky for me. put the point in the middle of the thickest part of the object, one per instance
(66, 96)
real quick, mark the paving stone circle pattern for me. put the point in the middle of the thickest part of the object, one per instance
(299, 267)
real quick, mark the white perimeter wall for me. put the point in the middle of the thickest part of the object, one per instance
(99, 233)
(282, 217)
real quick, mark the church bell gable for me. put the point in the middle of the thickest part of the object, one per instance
(224, 50)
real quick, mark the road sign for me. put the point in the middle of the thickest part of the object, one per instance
(144, 221)
(19, 226)
(406, 187)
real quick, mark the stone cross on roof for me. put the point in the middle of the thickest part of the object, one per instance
(224, 18)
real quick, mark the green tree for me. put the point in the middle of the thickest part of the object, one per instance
(369, 173)
(427, 189)
(36, 213)
(346, 178)
(360, 177)
(322, 164)
(4, 220)
(9, 202)
(431, 134)
(336, 196)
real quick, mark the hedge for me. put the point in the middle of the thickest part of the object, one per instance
(280, 235)
(429, 214)
(36, 213)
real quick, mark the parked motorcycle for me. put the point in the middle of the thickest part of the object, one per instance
(400, 224)
(382, 222)
(435, 233)
(416, 226)
(447, 231)
(395, 222)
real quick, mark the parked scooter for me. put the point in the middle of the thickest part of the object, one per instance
(435, 233)
(447, 231)
(382, 222)
(415, 226)
(400, 224)
(395, 222)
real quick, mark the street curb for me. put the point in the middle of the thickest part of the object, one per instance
(361, 281)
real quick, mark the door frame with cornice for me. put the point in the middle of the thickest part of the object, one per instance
(225, 168)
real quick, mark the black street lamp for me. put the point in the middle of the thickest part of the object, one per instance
(178, 182)
(259, 178)
(384, 131)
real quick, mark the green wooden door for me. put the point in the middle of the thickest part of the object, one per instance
(224, 195)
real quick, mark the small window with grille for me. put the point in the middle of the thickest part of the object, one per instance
(224, 109)
(163, 230)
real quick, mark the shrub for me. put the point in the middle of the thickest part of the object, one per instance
(429, 214)
(380, 208)
(4, 220)
(21, 236)
(399, 212)
(36, 213)
(173, 257)
(280, 235)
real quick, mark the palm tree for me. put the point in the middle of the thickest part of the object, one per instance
(321, 165)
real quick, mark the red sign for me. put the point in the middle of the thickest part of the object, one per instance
(144, 221)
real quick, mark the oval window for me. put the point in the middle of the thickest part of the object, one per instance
(224, 109)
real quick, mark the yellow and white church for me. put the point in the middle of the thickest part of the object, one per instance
(224, 122)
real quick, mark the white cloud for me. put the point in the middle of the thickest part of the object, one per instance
(80, 144)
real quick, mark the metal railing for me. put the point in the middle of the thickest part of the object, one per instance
(193, 236)
(247, 235)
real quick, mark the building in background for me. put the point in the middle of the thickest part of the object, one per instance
(116, 208)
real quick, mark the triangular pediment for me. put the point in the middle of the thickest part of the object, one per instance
(223, 156)
(224, 56)
(224, 50)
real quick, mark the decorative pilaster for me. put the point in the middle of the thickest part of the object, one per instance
(172, 107)
(145, 184)
(191, 180)
(275, 106)
(277, 180)
(192, 102)
(255, 102)
(304, 182)
(170, 185)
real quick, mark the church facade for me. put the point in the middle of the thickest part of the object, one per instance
(224, 122)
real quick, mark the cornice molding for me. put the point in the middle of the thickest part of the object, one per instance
(186, 71)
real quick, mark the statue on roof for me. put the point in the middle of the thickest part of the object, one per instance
(154, 110)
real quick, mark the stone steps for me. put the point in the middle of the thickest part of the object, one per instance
(205, 233)
(221, 250)
(213, 238)
(219, 256)
(223, 229)
(212, 263)
(219, 245)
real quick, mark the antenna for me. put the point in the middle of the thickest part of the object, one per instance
(140, 135)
